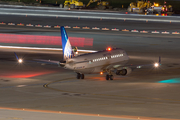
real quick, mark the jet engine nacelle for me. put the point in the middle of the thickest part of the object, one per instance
(62, 63)
(124, 72)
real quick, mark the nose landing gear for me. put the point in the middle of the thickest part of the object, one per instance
(109, 77)
(80, 76)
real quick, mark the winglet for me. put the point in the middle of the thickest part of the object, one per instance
(19, 60)
(159, 60)
(16, 56)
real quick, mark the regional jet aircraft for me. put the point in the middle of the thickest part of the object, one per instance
(110, 61)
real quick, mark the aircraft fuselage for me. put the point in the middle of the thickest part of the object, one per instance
(98, 61)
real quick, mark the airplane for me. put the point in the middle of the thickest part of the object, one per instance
(110, 61)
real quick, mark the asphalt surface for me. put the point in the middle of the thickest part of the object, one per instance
(34, 89)
(73, 22)
(29, 115)
(144, 93)
(148, 43)
(87, 14)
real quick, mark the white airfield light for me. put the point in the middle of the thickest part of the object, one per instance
(20, 60)
(156, 65)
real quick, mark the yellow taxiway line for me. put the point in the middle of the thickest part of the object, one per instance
(87, 114)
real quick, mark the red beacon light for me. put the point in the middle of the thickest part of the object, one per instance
(109, 49)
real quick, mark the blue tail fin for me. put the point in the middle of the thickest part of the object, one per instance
(67, 49)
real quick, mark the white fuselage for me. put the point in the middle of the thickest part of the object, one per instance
(98, 61)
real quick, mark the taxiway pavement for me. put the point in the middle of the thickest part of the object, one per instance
(148, 92)
(86, 14)
(151, 93)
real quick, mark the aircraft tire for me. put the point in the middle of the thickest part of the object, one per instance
(107, 77)
(78, 75)
(82, 76)
(111, 77)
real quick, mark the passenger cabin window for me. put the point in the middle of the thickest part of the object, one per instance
(116, 56)
(104, 58)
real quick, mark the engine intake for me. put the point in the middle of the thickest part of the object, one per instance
(124, 72)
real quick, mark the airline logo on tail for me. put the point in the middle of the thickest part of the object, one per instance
(67, 49)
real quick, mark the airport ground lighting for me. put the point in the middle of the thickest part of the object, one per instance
(20, 60)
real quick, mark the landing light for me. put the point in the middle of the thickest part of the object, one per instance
(101, 73)
(156, 65)
(20, 60)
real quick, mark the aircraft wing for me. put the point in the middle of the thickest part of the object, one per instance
(156, 64)
(47, 61)
(41, 50)
(141, 66)
(119, 67)
(38, 61)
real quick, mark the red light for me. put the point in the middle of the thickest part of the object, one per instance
(109, 49)
(44, 40)
(26, 74)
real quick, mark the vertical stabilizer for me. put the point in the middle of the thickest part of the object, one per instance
(67, 49)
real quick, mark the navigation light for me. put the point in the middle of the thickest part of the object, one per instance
(156, 65)
(20, 60)
(109, 49)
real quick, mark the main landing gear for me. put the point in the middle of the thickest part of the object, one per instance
(109, 77)
(80, 76)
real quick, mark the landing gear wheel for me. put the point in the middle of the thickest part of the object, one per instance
(107, 77)
(78, 75)
(111, 77)
(82, 76)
